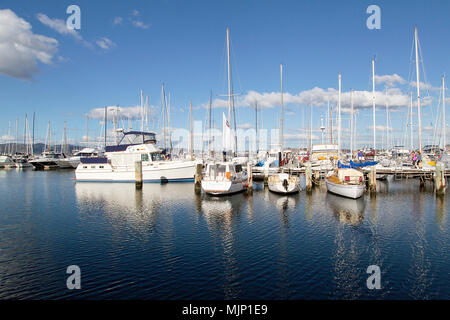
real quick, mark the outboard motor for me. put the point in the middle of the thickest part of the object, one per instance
(285, 184)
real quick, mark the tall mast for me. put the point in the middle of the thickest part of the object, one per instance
(351, 125)
(163, 92)
(307, 129)
(373, 107)
(411, 121)
(339, 117)
(87, 130)
(209, 124)
(387, 121)
(229, 77)
(331, 123)
(106, 123)
(168, 125)
(418, 89)
(444, 133)
(142, 111)
(32, 137)
(256, 127)
(282, 119)
(17, 135)
(192, 136)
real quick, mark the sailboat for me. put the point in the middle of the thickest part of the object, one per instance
(283, 182)
(48, 159)
(225, 177)
(345, 182)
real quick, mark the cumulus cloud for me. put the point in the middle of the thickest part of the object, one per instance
(21, 49)
(131, 112)
(319, 97)
(389, 80)
(105, 43)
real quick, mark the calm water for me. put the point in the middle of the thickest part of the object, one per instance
(166, 243)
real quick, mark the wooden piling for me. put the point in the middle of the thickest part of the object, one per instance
(250, 178)
(266, 176)
(138, 174)
(317, 176)
(198, 178)
(439, 179)
(373, 180)
(308, 176)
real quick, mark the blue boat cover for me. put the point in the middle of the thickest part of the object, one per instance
(354, 165)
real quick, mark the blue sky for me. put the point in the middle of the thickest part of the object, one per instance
(182, 43)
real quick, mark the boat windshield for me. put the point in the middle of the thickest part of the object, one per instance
(157, 157)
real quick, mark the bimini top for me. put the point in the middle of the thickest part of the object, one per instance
(132, 138)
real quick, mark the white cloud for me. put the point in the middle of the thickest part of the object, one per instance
(245, 126)
(60, 26)
(136, 21)
(132, 112)
(105, 43)
(389, 80)
(20, 48)
(118, 20)
(319, 97)
(140, 24)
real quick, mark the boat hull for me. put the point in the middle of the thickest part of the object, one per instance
(151, 172)
(345, 190)
(219, 188)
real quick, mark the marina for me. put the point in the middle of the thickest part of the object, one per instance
(175, 158)
(166, 242)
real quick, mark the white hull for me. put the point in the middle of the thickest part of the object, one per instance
(353, 191)
(217, 188)
(278, 184)
(151, 172)
(64, 164)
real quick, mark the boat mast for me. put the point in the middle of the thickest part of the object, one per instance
(308, 140)
(230, 90)
(256, 127)
(351, 125)
(192, 136)
(444, 133)
(163, 93)
(282, 115)
(373, 107)
(418, 89)
(209, 124)
(387, 121)
(87, 130)
(339, 117)
(411, 120)
(106, 122)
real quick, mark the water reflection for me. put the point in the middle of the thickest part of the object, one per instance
(348, 211)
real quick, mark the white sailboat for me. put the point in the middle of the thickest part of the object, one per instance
(344, 182)
(283, 182)
(226, 177)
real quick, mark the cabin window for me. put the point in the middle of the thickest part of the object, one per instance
(84, 167)
(238, 168)
(101, 167)
(92, 167)
(144, 157)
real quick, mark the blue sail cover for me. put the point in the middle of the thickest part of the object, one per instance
(354, 165)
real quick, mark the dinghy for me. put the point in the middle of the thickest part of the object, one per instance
(346, 182)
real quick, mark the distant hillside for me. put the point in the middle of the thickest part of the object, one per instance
(37, 148)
